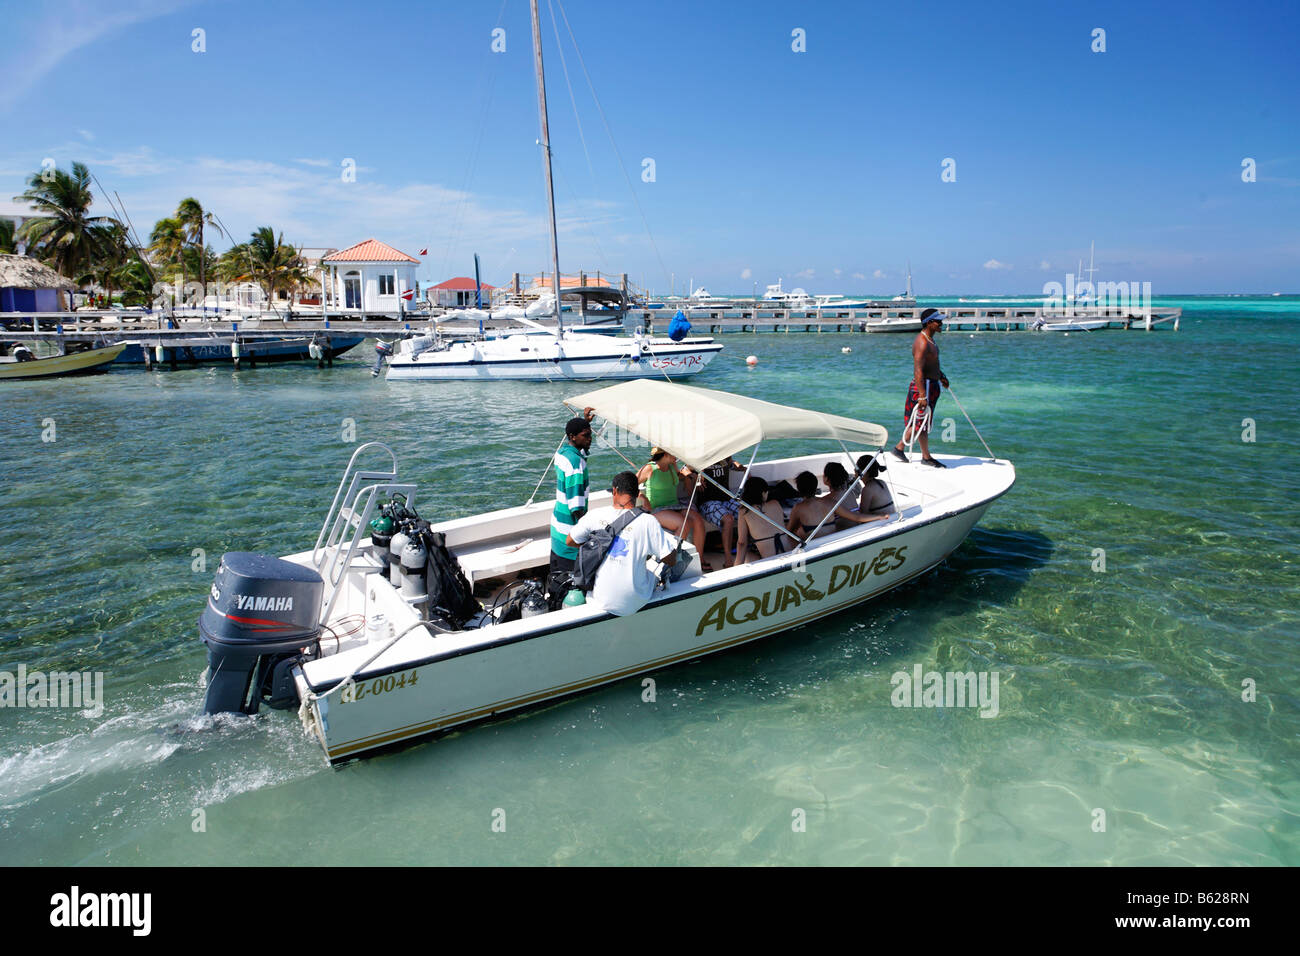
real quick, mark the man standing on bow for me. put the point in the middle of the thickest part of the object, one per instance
(923, 391)
(570, 465)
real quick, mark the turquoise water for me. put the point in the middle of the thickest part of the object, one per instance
(1119, 691)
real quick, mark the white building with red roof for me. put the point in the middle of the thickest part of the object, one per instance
(458, 293)
(369, 277)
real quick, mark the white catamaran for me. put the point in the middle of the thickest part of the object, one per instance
(371, 659)
(563, 353)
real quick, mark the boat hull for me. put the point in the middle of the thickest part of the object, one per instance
(273, 350)
(1080, 326)
(77, 363)
(906, 326)
(610, 361)
(582, 648)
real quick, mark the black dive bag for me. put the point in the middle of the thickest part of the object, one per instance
(449, 591)
(592, 552)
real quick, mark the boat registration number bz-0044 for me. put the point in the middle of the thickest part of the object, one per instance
(380, 685)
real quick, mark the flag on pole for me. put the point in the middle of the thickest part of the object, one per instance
(408, 295)
(424, 251)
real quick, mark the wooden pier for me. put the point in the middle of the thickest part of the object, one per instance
(961, 318)
(57, 329)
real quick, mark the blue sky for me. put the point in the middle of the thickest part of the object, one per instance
(820, 167)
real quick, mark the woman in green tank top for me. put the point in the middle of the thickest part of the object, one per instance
(661, 477)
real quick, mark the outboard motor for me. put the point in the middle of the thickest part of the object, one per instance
(382, 351)
(263, 615)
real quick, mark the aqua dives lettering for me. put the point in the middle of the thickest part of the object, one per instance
(750, 608)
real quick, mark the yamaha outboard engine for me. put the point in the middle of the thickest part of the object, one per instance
(263, 615)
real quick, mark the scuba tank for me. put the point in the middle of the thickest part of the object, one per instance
(534, 601)
(414, 557)
(381, 533)
(395, 548)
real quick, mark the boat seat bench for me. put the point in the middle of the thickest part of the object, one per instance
(494, 559)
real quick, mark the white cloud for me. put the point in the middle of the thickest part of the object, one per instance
(879, 274)
(747, 273)
(313, 162)
(838, 271)
(994, 265)
(313, 207)
(86, 134)
(43, 42)
(806, 273)
(858, 275)
(1045, 266)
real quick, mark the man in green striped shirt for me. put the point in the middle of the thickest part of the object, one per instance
(570, 465)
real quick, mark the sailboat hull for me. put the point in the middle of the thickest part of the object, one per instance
(524, 358)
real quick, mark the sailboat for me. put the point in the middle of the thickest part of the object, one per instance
(559, 354)
(906, 296)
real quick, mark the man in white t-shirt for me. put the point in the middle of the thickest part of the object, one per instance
(624, 582)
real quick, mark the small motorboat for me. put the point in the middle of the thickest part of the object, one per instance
(73, 363)
(897, 323)
(1070, 325)
(358, 634)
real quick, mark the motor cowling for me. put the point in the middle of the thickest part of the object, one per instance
(263, 612)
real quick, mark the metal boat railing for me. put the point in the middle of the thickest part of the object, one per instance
(354, 504)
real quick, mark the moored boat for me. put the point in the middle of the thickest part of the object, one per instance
(73, 363)
(1070, 325)
(547, 355)
(217, 347)
(369, 661)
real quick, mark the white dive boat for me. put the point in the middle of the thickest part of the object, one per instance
(567, 354)
(369, 663)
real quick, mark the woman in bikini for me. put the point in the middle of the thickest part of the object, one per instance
(751, 528)
(810, 512)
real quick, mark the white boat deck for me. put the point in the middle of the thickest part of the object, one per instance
(514, 541)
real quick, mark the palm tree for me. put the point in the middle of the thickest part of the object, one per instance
(272, 264)
(136, 281)
(167, 242)
(192, 218)
(63, 233)
(114, 253)
(7, 236)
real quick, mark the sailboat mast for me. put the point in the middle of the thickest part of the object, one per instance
(546, 153)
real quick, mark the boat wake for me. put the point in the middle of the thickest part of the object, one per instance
(129, 748)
